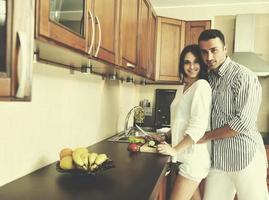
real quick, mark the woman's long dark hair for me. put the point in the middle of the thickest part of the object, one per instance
(195, 50)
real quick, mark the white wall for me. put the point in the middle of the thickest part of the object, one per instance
(66, 111)
(262, 36)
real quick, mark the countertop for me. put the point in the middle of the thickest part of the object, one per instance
(133, 178)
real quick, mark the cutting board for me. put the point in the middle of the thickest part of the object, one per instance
(147, 149)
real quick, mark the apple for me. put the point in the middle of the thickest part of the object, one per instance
(133, 147)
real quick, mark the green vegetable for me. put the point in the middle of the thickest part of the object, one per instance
(151, 143)
(133, 139)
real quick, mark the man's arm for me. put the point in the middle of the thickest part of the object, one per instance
(247, 98)
(219, 133)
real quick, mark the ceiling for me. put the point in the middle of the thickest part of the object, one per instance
(184, 3)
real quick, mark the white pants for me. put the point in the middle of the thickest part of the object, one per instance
(248, 184)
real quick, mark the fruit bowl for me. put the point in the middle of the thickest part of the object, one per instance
(108, 164)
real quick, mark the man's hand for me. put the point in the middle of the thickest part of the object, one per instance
(217, 134)
(204, 139)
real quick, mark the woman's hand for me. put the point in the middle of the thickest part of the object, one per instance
(166, 149)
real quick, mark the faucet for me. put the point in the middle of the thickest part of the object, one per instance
(139, 118)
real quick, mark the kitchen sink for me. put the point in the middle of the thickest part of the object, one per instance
(122, 137)
(119, 137)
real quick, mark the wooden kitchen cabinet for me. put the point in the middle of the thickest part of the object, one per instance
(89, 26)
(193, 30)
(103, 29)
(113, 32)
(143, 39)
(172, 36)
(16, 48)
(6, 49)
(147, 40)
(170, 42)
(137, 37)
(152, 45)
(124, 33)
(128, 49)
(63, 22)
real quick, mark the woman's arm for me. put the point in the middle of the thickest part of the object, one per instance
(166, 149)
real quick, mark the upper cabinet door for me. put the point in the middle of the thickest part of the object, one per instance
(63, 21)
(193, 30)
(5, 35)
(152, 45)
(143, 39)
(16, 49)
(170, 42)
(106, 19)
(129, 33)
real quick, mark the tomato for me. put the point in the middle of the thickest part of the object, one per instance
(133, 147)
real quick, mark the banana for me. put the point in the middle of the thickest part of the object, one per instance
(77, 159)
(92, 157)
(76, 155)
(80, 150)
(93, 167)
(84, 158)
(100, 159)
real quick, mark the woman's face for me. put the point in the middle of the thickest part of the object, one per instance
(191, 66)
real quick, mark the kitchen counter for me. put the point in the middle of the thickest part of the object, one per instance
(133, 178)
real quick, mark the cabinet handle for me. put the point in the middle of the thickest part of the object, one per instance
(22, 65)
(100, 34)
(93, 32)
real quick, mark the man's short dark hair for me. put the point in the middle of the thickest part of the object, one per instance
(211, 34)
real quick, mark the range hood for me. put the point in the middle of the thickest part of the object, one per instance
(244, 45)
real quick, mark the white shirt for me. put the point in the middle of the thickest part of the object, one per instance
(190, 114)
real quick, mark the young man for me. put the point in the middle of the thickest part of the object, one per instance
(239, 163)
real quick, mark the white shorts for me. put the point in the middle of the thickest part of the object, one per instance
(248, 184)
(193, 172)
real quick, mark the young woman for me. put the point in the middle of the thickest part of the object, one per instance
(190, 114)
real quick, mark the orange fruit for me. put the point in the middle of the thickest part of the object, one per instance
(65, 152)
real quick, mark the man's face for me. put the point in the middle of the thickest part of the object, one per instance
(213, 52)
